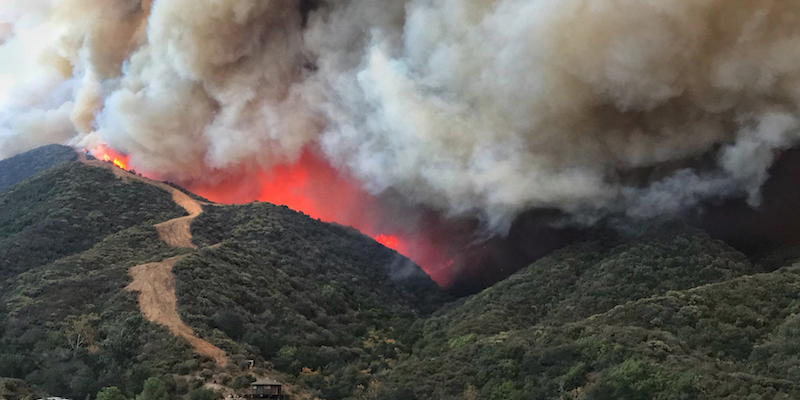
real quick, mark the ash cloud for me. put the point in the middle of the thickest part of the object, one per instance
(472, 107)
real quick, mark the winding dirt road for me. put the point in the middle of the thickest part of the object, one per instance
(155, 282)
(177, 232)
(156, 286)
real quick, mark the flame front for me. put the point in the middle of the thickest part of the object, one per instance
(311, 185)
(106, 154)
(314, 187)
(387, 240)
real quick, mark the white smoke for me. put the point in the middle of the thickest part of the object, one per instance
(483, 107)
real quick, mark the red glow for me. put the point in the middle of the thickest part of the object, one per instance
(108, 155)
(388, 241)
(314, 187)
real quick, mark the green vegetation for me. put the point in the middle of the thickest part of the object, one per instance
(110, 393)
(70, 328)
(67, 237)
(17, 389)
(69, 208)
(23, 166)
(154, 389)
(664, 313)
(318, 301)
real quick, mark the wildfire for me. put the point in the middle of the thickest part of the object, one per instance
(387, 240)
(108, 155)
(315, 188)
(116, 161)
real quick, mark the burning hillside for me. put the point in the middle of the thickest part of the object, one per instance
(398, 117)
(312, 186)
(315, 188)
(108, 155)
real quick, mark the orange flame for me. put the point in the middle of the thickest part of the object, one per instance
(387, 240)
(312, 186)
(108, 155)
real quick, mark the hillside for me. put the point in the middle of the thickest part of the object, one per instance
(68, 209)
(23, 166)
(665, 314)
(109, 279)
(302, 294)
(277, 283)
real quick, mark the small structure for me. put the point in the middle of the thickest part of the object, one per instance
(266, 389)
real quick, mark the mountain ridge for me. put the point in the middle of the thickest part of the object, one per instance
(89, 281)
(662, 311)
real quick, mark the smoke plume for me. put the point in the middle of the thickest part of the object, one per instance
(483, 108)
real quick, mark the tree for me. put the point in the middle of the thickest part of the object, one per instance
(80, 331)
(470, 393)
(110, 393)
(230, 323)
(203, 394)
(402, 394)
(154, 389)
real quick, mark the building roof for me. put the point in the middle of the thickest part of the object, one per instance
(265, 382)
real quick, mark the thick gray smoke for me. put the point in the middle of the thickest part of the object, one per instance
(477, 107)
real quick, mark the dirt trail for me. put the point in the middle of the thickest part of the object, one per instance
(155, 281)
(156, 286)
(175, 232)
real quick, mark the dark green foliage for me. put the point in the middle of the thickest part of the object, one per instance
(242, 381)
(663, 314)
(203, 394)
(302, 294)
(630, 380)
(707, 327)
(110, 393)
(402, 394)
(128, 349)
(154, 389)
(306, 247)
(594, 276)
(17, 389)
(230, 323)
(283, 287)
(69, 208)
(67, 238)
(23, 166)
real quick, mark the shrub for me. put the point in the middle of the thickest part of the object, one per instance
(203, 394)
(110, 393)
(154, 389)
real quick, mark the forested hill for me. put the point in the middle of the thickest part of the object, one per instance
(23, 166)
(666, 313)
(265, 283)
(662, 312)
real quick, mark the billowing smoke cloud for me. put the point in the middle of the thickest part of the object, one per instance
(476, 107)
